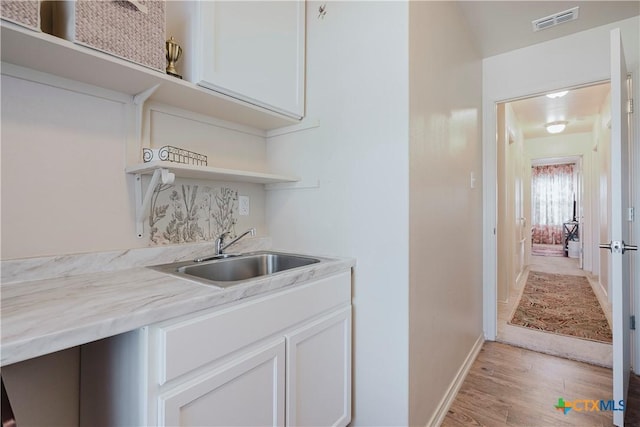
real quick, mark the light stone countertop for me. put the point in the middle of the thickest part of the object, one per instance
(48, 315)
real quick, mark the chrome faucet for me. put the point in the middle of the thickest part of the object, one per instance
(220, 247)
(218, 243)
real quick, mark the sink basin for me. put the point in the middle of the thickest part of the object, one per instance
(226, 272)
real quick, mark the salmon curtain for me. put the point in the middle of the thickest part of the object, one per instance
(552, 197)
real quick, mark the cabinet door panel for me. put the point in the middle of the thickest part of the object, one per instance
(254, 50)
(246, 392)
(319, 372)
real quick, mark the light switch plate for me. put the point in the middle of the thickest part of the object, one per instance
(243, 205)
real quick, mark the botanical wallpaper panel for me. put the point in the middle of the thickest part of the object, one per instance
(191, 213)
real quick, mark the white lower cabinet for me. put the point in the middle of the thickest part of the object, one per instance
(319, 372)
(249, 391)
(280, 359)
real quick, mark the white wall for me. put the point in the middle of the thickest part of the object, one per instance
(445, 211)
(63, 185)
(360, 156)
(564, 62)
(64, 189)
(357, 87)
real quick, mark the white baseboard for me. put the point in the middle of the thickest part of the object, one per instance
(443, 408)
(601, 295)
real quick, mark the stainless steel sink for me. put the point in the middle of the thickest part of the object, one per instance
(231, 271)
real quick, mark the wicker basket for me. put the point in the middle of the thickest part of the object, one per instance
(134, 30)
(23, 12)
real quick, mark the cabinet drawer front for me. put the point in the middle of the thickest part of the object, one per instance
(192, 343)
(248, 392)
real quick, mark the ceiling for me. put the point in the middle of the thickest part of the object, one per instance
(579, 107)
(502, 26)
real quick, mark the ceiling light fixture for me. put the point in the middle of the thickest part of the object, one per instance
(556, 127)
(557, 94)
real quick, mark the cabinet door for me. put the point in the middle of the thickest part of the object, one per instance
(319, 372)
(248, 391)
(254, 51)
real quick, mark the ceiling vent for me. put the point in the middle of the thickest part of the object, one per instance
(555, 19)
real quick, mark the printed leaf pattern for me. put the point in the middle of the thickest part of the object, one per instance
(191, 213)
(156, 213)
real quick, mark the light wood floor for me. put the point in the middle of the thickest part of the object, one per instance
(512, 386)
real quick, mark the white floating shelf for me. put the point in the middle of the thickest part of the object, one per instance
(210, 173)
(52, 55)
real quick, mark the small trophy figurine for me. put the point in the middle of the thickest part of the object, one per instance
(174, 51)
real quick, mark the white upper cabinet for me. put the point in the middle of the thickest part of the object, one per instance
(27, 54)
(251, 50)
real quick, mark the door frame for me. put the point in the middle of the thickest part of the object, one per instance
(508, 77)
(578, 161)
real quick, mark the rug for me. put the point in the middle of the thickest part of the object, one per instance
(541, 249)
(561, 304)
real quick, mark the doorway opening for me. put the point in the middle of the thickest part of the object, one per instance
(552, 197)
(555, 229)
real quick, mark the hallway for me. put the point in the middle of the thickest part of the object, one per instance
(559, 345)
(511, 386)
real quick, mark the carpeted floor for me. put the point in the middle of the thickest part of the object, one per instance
(561, 304)
(541, 249)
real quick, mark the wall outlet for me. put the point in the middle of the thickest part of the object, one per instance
(243, 205)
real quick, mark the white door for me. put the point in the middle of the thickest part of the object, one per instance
(619, 226)
(579, 199)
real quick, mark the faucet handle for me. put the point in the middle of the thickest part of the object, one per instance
(220, 241)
